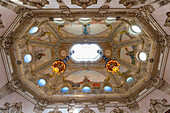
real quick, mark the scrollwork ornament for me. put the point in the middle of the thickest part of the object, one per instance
(158, 106)
(86, 110)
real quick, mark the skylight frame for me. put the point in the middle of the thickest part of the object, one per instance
(88, 60)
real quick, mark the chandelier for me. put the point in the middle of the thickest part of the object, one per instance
(111, 65)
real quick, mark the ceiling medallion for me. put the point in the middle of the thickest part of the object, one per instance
(84, 3)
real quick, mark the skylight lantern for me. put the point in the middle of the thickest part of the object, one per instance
(85, 52)
(135, 30)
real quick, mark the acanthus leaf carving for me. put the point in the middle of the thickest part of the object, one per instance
(158, 106)
(11, 108)
(84, 3)
(130, 3)
(86, 110)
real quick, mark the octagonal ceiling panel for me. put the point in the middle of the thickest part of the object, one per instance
(53, 41)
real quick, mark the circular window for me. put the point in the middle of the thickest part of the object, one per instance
(130, 80)
(108, 89)
(135, 30)
(33, 30)
(86, 89)
(64, 90)
(41, 82)
(142, 56)
(27, 58)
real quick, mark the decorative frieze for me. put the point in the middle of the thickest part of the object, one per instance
(167, 21)
(84, 3)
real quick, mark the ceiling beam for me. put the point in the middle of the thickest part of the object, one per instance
(41, 43)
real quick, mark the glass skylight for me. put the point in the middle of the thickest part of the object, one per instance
(27, 58)
(86, 89)
(33, 30)
(85, 52)
(142, 56)
(41, 82)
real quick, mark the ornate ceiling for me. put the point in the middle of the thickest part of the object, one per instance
(60, 27)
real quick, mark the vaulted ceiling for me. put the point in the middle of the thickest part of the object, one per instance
(107, 23)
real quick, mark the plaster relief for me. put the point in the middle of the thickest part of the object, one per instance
(84, 3)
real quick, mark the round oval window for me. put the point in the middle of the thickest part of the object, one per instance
(33, 30)
(86, 89)
(108, 89)
(27, 58)
(130, 80)
(64, 90)
(142, 56)
(41, 82)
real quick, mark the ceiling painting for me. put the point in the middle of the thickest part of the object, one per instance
(91, 30)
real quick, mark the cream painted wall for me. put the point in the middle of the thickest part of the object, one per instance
(3, 77)
(144, 104)
(27, 106)
(167, 70)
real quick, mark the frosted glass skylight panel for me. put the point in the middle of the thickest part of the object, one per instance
(85, 52)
